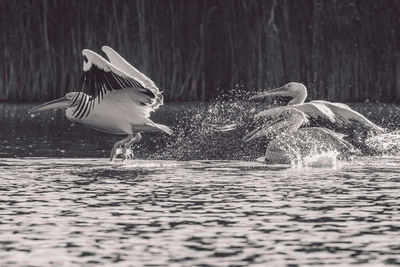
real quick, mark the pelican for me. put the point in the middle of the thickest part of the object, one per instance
(114, 97)
(335, 116)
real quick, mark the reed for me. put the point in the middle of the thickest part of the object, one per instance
(345, 50)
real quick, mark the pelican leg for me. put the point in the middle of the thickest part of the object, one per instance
(119, 144)
(128, 146)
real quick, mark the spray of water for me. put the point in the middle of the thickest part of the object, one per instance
(214, 130)
(306, 145)
(197, 138)
(386, 144)
(327, 159)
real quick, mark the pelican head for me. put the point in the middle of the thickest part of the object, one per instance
(70, 99)
(293, 89)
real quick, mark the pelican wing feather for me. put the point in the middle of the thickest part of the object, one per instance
(125, 66)
(122, 64)
(329, 137)
(317, 110)
(279, 121)
(347, 116)
(100, 78)
(268, 113)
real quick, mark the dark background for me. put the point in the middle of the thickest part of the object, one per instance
(346, 50)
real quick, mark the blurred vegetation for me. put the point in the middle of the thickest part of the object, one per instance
(346, 50)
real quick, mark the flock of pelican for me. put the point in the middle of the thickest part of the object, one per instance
(116, 98)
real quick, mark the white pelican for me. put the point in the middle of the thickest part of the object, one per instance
(114, 98)
(335, 116)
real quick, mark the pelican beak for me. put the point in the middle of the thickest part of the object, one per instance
(54, 104)
(280, 91)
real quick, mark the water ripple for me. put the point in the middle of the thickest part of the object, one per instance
(85, 212)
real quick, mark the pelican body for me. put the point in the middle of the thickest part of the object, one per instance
(291, 147)
(334, 116)
(115, 98)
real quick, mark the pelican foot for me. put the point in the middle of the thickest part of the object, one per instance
(123, 153)
(122, 149)
(128, 153)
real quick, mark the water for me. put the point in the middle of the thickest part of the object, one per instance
(63, 204)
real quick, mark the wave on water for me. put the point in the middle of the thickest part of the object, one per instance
(146, 164)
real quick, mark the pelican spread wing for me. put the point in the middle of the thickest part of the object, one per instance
(277, 121)
(335, 116)
(270, 112)
(122, 64)
(317, 110)
(330, 136)
(326, 114)
(312, 110)
(101, 78)
(346, 116)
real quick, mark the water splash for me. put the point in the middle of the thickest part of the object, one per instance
(214, 131)
(196, 138)
(328, 159)
(309, 147)
(387, 144)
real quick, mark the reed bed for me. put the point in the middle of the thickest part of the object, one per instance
(345, 50)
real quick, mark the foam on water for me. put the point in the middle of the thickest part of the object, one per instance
(146, 164)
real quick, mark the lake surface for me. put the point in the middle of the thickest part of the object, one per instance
(63, 204)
